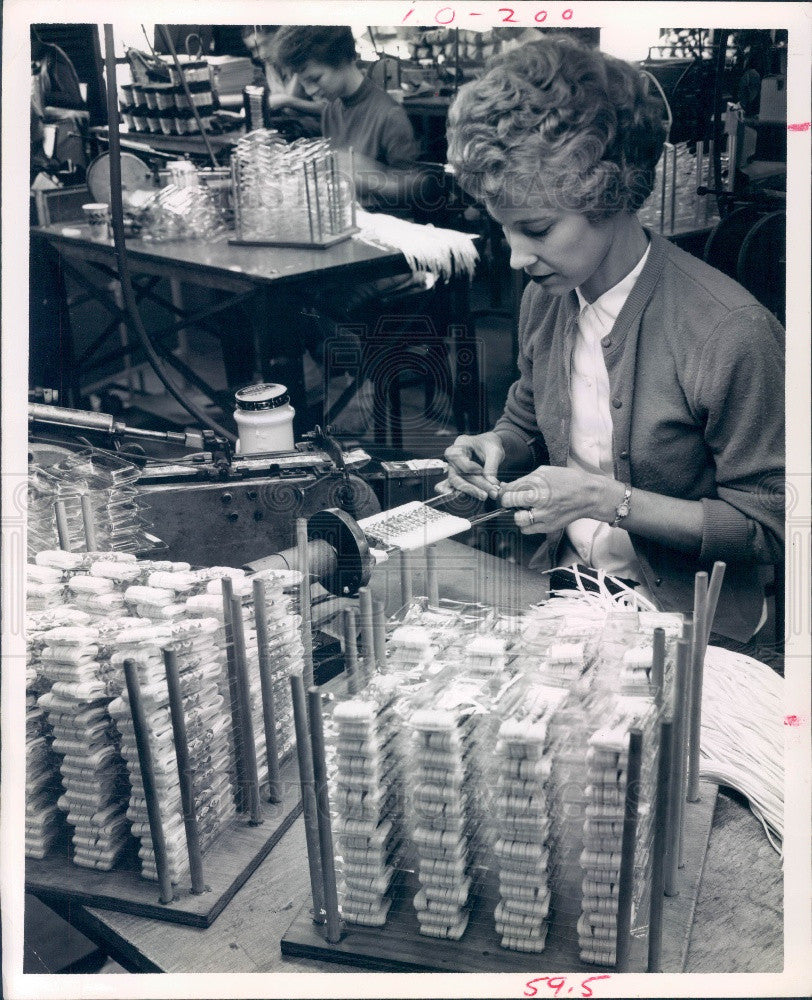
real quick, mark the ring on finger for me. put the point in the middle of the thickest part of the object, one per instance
(532, 516)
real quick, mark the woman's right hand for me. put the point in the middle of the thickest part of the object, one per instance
(277, 101)
(473, 462)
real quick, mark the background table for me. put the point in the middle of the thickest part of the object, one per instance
(738, 922)
(276, 280)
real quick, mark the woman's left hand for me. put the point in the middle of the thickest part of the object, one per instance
(552, 497)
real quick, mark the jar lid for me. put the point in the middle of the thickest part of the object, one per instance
(263, 396)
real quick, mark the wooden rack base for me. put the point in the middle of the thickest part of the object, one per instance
(233, 857)
(399, 947)
(314, 244)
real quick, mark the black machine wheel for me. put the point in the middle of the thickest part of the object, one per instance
(725, 241)
(762, 263)
(749, 245)
(354, 561)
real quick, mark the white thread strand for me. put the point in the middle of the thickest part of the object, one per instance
(742, 738)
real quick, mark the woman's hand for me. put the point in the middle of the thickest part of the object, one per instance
(277, 101)
(552, 497)
(473, 463)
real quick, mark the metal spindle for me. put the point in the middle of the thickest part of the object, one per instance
(318, 202)
(714, 589)
(432, 584)
(304, 600)
(625, 892)
(307, 198)
(695, 693)
(227, 588)
(185, 773)
(367, 632)
(62, 525)
(328, 872)
(658, 860)
(379, 633)
(307, 784)
(147, 767)
(350, 651)
(658, 665)
(406, 591)
(676, 791)
(89, 523)
(266, 685)
(247, 723)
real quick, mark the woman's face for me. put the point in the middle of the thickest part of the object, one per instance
(558, 249)
(260, 45)
(324, 82)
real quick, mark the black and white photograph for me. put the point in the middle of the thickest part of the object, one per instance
(406, 490)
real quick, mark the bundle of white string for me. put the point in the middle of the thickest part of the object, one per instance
(742, 738)
(620, 594)
(443, 252)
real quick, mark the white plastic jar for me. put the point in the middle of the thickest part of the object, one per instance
(264, 419)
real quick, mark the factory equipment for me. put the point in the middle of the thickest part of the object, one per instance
(168, 706)
(205, 503)
(453, 687)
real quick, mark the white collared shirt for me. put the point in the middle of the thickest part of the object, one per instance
(597, 543)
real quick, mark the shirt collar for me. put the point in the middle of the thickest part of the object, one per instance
(607, 306)
(357, 96)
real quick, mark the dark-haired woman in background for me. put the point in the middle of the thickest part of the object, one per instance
(357, 112)
(650, 397)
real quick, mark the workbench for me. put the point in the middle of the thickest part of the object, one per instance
(738, 921)
(274, 285)
(275, 281)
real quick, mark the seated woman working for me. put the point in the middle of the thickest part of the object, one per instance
(357, 112)
(650, 396)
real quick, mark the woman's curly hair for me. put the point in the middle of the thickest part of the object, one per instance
(570, 123)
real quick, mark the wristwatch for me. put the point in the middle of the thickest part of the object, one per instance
(623, 508)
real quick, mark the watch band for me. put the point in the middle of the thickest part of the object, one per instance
(623, 508)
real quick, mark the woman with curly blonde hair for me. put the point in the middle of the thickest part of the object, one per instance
(649, 403)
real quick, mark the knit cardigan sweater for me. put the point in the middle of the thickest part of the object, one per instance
(696, 373)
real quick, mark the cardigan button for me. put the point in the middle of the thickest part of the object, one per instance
(606, 342)
(624, 454)
(617, 403)
(658, 582)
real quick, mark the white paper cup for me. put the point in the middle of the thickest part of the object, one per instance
(97, 219)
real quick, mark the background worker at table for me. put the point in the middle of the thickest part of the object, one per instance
(357, 114)
(291, 110)
(360, 115)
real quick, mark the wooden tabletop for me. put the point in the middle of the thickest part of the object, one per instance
(222, 264)
(738, 922)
